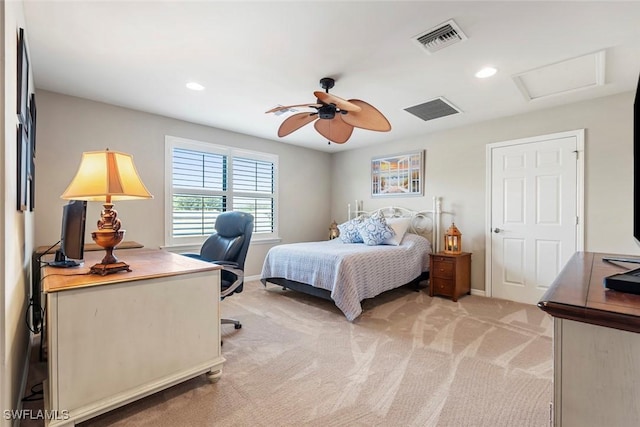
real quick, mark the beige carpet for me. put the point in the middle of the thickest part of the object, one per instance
(408, 360)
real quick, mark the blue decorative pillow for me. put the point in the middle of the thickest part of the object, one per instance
(349, 231)
(374, 230)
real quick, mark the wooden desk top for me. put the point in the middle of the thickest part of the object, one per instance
(578, 294)
(144, 263)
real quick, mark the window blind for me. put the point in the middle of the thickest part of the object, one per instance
(204, 184)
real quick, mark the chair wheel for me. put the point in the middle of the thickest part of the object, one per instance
(237, 326)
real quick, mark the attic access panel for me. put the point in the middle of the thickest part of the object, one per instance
(579, 73)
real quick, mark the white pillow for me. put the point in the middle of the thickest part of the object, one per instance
(400, 226)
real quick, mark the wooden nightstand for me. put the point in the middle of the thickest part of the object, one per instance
(450, 274)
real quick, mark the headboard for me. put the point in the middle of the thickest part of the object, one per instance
(426, 223)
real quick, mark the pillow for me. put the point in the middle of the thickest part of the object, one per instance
(399, 226)
(374, 230)
(349, 231)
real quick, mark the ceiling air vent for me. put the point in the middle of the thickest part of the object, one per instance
(433, 109)
(440, 37)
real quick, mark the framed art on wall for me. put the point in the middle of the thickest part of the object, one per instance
(22, 168)
(398, 175)
(32, 152)
(23, 79)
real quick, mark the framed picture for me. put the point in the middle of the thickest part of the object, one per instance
(23, 79)
(398, 175)
(32, 121)
(32, 152)
(22, 168)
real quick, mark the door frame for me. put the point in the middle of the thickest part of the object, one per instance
(579, 135)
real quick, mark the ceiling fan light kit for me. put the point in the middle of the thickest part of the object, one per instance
(334, 117)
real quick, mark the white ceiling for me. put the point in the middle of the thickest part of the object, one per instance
(252, 56)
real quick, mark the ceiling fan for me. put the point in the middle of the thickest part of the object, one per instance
(334, 117)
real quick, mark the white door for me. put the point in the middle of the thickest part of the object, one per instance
(535, 205)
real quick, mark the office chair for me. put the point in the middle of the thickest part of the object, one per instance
(228, 247)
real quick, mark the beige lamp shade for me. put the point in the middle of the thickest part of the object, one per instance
(106, 175)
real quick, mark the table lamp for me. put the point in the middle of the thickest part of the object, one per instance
(107, 176)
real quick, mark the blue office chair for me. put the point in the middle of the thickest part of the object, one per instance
(228, 247)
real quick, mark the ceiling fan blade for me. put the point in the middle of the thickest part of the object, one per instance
(286, 107)
(367, 118)
(295, 122)
(335, 130)
(342, 104)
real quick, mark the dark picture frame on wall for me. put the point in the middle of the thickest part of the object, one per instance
(32, 152)
(23, 79)
(22, 168)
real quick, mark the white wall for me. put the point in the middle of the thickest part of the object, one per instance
(67, 126)
(16, 228)
(455, 170)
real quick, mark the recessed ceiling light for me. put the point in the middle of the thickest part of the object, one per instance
(195, 86)
(486, 72)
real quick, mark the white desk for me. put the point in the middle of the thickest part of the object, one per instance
(114, 339)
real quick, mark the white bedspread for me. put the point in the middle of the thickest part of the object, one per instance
(351, 271)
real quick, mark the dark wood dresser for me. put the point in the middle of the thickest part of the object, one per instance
(450, 274)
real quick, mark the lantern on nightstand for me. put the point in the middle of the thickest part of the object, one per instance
(453, 240)
(333, 230)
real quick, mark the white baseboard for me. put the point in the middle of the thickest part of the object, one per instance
(251, 278)
(478, 292)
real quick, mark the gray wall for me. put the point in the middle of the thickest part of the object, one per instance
(16, 228)
(455, 170)
(68, 126)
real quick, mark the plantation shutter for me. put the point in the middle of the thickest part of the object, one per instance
(253, 190)
(205, 183)
(199, 183)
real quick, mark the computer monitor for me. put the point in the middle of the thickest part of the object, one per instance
(71, 252)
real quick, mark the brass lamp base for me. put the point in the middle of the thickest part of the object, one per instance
(108, 239)
(104, 269)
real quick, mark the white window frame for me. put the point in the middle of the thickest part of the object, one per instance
(172, 142)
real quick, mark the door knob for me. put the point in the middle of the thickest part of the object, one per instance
(496, 230)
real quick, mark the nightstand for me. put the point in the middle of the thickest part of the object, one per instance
(450, 274)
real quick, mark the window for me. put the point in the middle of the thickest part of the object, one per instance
(204, 180)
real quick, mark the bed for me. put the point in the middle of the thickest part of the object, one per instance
(348, 273)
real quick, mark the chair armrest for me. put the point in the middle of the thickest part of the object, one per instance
(239, 279)
(226, 263)
(196, 256)
(221, 263)
(227, 266)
